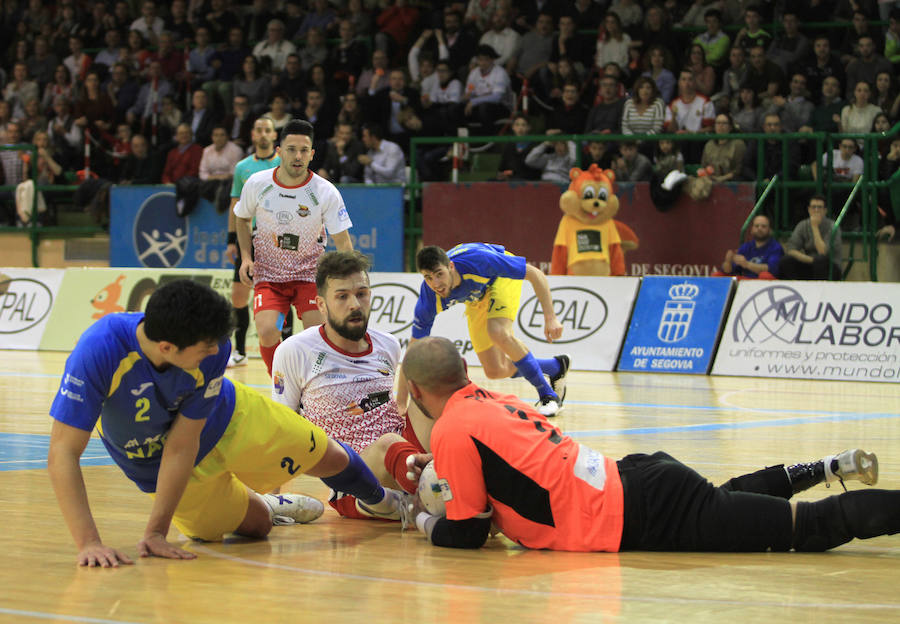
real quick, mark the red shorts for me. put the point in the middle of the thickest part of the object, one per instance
(280, 296)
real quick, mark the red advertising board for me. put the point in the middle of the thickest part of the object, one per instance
(689, 239)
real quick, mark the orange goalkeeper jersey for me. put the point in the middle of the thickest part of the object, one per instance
(547, 490)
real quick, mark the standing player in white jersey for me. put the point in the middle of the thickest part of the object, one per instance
(263, 157)
(294, 208)
(340, 376)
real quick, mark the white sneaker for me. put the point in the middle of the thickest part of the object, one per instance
(558, 383)
(396, 505)
(293, 508)
(854, 464)
(236, 359)
(548, 406)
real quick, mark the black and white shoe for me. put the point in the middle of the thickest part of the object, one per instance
(548, 406)
(558, 381)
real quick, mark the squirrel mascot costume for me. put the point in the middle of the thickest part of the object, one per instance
(589, 241)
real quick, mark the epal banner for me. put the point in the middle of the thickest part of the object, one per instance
(593, 311)
(27, 297)
(813, 330)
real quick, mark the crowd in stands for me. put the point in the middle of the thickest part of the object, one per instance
(163, 90)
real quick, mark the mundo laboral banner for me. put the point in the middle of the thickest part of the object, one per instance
(813, 330)
(26, 298)
(675, 324)
(593, 311)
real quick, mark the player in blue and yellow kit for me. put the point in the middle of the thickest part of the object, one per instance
(199, 444)
(264, 157)
(488, 280)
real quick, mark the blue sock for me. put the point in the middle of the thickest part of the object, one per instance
(550, 366)
(356, 479)
(529, 369)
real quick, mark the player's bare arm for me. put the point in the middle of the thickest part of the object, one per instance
(231, 249)
(175, 467)
(342, 241)
(67, 443)
(242, 227)
(552, 327)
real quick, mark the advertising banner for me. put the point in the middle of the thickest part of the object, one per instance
(675, 324)
(87, 295)
(524, 217)
(146, 231)
(26, 298)
(813, 330)
(593, 311)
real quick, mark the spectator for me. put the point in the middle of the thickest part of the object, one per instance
(391, 108)
(807, 254)
(64, 133)
(33, 120)
(795, 110)
(657, 31)
(184, 159)
(690, 112)
(667, 158)
(142, 165)
(347, 59)
(891, 38)
(5, 118)
(227, 63)
(554, 159)
(171, 60)
(314, 52)
(359, 15)
(714, 42)
(136, 53)
(372, 79)
(501, 36)
(728, 98)
(48, 171)
(606, 116)
(291, 82)
(256, 20)
(885, 92)
(791, 46)
(278, 112)
(220, 21)
(14, 172)
(570, 115)
(512, 159)
(170, 117)
(342, 164)
(149, 24)
(826, 117)
(217, 168)
(629, 13)
(384, 162)
(272, 52)
(553, 78)
(725, 156)
(888, 165)
(323, 123)
(250, 83)
(867, 66)
(631, 165)
(480, 12)
(321, 16)
(824, 64)
(752, 34)
(20, 89)
(758, 258)
(772, 149)
(853, 36)
(487, 96)
(178, 23)
(658, 69)
(644, 112)
(239, 122)
(42, 64)
(613, 44)
(598, 153)
(113, 52)
(395, 23)
(534, 49)
(704, 74)
(568, 43)
(846, 167)
(880, 125)
(764, 76)
(200, 60)
(122, 91)
(350, 112)
(440, 104)
(61, 86)
(859, 114)
(150, 95)
(201, 118)
(587, 14)
(318, 79)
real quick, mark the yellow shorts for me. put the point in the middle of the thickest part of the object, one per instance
(264, 445)
(501, 300)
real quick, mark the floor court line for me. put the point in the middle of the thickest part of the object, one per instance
(57, 616)
(533, 592)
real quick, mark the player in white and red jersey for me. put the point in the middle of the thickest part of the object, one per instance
(340, 376)
(293, 208)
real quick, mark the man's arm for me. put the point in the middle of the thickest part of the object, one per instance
(242, 227)
(402, 393)
(179, 454)
(67, 443)
(552, 327)
(232, 246)
(818, 241)
(342, 241)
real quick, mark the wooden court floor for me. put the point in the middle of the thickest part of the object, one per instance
(337, 570)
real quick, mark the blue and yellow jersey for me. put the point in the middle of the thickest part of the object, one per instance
(107, 377)
(247, 167)
(478, 265)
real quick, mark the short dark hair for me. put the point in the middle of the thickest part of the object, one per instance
(374, 129)
(297, 126)
(185, 312)
(716, 13)
(339, 264)
(818, 196)
(431, 258)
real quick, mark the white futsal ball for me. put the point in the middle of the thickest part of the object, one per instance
(430, 491)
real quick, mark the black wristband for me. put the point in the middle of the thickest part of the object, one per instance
(232, 238)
